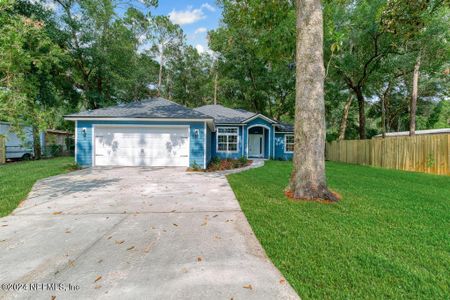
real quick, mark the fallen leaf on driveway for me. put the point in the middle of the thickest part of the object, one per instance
(131, 248)
(282, 281)
(199, 258)
(67, 231)
(215, 216)
(53, 297)
(120, 242)
(71, 263)
(97, 287)
(176, 225)
(98, 278)
(205, 222)
(57, 213)
(109, 237)
(248, 286)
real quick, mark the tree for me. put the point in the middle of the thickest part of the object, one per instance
(104, 49)
(30, 64)
(256, 49)
(190, 79)
(308, 178)
(419, 31)
(168, 38)
(357, 44)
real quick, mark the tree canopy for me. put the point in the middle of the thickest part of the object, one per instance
(86, 54)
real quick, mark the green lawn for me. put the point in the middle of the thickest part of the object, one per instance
(389, 237)
(16, 179)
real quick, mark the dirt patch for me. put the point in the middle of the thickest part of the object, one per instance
(290, 196)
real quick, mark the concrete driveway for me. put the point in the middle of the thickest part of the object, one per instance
(134, 233)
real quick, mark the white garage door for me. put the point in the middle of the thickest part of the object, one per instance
(141, 146)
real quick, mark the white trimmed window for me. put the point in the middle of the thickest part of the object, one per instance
(289, 143)
(227, 139)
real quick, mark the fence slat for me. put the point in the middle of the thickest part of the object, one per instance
(421, 153)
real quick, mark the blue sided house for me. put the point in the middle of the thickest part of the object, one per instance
(159, 132)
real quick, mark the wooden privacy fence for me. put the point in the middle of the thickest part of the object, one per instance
(421, 153)
(2, 150)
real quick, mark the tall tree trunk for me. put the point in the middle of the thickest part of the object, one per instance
(344, 119)
(215, 87)
(161, 58)
(308, 177)
(384, 100)
(362, 112)
(36, 143)
(414, 94)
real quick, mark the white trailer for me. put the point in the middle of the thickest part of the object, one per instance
(17, 147)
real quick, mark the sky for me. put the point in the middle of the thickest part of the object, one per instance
(196, 17)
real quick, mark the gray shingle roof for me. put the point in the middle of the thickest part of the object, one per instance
(225, 115)
(149, 108)
(284, 127)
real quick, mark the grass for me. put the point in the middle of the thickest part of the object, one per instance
(16, 179)
(389, 237)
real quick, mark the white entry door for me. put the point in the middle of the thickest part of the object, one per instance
(255, 145)
(141, 146)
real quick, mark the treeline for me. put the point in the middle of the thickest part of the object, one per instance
(386, 61)
(63, 56)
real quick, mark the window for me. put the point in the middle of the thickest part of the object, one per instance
(289, 143)
(227, 139)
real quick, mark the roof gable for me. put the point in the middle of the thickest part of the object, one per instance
(157, 108)
(261, 117)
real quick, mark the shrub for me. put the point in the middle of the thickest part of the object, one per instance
(53, 150)
(215, 160)
(195, 166)
(243, 160)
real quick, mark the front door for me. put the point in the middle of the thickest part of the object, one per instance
(256, 145)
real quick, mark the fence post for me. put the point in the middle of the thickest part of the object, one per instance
(2, 150)
(448, 154)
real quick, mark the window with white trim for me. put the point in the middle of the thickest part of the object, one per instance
(289, 143)
(227, 139)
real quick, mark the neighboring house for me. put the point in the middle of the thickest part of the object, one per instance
(418, 132)
(159, 132)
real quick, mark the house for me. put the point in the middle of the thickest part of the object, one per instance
(418, 132)
(159, 132)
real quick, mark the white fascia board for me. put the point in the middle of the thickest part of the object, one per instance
(259, 116)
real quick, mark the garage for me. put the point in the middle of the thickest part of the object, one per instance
(141, 145)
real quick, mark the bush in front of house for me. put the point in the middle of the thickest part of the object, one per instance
(218, 164)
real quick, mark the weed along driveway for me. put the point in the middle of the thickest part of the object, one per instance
(132, 233)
